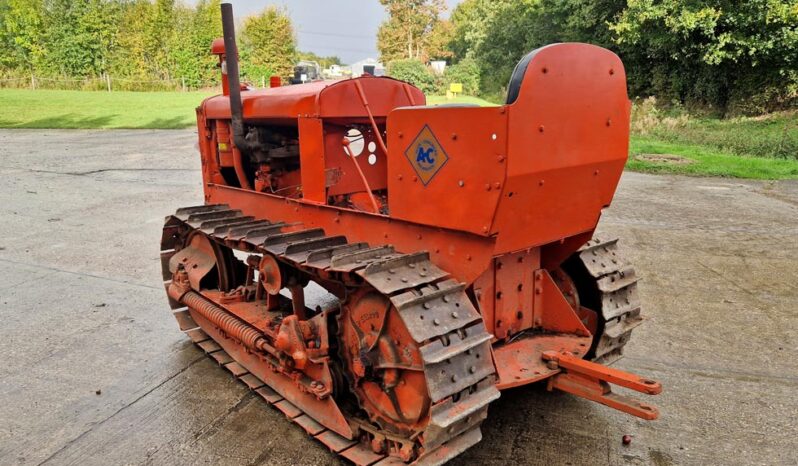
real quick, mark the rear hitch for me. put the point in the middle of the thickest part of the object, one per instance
(592, 381)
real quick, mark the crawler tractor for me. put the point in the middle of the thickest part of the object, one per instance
(380, 270)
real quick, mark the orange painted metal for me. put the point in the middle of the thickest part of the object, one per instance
(567, 143)
(499, 196)
(514, 292)
(325, 411)
(471, 166)
(465, 256)
(519, 362)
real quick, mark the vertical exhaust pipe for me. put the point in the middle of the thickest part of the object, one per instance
(234, 84)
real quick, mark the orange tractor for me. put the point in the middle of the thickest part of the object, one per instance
(379, 270)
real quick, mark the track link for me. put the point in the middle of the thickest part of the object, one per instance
(618, 300)
(453, 341)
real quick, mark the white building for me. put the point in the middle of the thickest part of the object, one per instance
(334, 71)
(367, 66)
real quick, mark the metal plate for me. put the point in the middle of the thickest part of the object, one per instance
(237, 369)
(252, 382)
(222, 357)
(288, 409)
(334, 442)
(311, 427)
(361, 455)
(268, 394)
(209, 346)
(184, 320)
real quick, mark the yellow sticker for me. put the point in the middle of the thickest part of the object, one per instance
(426, 155)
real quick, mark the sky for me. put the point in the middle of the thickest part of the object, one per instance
(346, 28)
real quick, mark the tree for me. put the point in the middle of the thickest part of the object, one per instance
(76, 36)
(413, 71)
(323, 62)
(21, 23)
(267, 44)
(712, 52)
(410, 30)
(470, 20)
(194, 31)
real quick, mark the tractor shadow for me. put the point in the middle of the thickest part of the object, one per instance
(530, 425)
(63, 121)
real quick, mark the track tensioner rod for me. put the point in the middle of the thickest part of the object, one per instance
(248, 335)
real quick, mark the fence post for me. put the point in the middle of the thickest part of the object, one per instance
(183, 80)
(108, 81)
(32, 82)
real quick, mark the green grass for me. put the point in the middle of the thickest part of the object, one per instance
(85, 109)
(20, 108)
(701, 160)
(708, 147)
(462, 99)
(772, 135)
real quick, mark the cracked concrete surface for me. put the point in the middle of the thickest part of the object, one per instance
(83, 311)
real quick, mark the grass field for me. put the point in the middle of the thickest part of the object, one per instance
(83, 110)
(703, 147)
(20, 108)
(648, 154)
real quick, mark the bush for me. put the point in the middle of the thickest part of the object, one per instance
(415, 72)
(465, 72)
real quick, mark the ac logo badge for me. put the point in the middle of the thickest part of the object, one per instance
(426, 155)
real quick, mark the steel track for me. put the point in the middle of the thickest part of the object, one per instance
(449, 332)
(616, 284)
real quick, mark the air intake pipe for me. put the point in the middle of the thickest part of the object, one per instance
(234, 83)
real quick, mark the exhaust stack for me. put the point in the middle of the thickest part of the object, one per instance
(234, 82)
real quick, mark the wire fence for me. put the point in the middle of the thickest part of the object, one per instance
(110, 84)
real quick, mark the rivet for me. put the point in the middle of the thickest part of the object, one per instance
(595, 173)
(487, 186)
(541, 128)
(436, 321)
(401, 135)
(545, 70)
(538, 291)
(425, 305)
(454, 378)
(500, 158)
(609, 121)
(455, 315)
(612, 71)
(399, 177)
(461, 183)
(541, 182)
(415, 178)
(454, 136)
(472, 369)
(404, 279)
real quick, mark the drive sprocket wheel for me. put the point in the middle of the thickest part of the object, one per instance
(383, 363)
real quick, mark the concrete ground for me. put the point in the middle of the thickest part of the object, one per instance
(96, 372)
